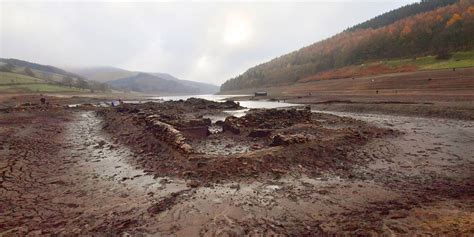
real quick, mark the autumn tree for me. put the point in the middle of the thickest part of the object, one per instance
(455, 18)
(439, 31)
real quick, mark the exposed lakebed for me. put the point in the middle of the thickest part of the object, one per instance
(262, 142)
(162, 169)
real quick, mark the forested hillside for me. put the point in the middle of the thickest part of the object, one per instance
(438, 32)
(400, 13)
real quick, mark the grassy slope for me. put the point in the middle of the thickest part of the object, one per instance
(458, 60)
(40, 74)
(13, 82)
(14, 78)
(39, 87)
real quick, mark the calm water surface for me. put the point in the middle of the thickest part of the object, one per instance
(250, 104)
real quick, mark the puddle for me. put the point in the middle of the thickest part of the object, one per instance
(107, 161)
(219, 98)
(434, 141)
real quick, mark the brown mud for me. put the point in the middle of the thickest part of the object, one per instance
(263, 143)
(70, 172)
(434, 94)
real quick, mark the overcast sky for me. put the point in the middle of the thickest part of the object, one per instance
(202, 41)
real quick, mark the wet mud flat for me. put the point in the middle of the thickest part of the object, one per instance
(73, 172)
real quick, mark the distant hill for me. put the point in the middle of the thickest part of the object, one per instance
(145, 81)
(204, 88)
(23, 76)
(148, 83)
(432, 27)
(103, 74)
(39, 67)
(165, 76)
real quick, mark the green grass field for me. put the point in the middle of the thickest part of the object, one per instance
(37, 87)
(458, 59)
(47, 76)
(13, 82)
(14, 78)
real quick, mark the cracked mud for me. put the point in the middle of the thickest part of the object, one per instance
(62, 173)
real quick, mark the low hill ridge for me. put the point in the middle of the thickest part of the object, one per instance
(148, 82)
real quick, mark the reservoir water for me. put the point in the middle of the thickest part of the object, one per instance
(250, 104)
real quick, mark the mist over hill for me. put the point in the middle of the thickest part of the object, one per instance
(23, 76)
(39, 67)
(20, 75)
(147, 82)
(103, 74)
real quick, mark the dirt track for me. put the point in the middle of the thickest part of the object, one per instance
(61, 174)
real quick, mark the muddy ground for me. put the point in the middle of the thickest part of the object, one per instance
(436, 93)
(264, 143)
(111, 171)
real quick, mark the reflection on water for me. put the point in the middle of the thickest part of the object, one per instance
(221, 116)
(248, 104)
(251, 104)
(206, 97)
(264, 104)
(237, 113)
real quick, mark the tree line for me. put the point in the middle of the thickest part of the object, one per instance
(400, 13)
